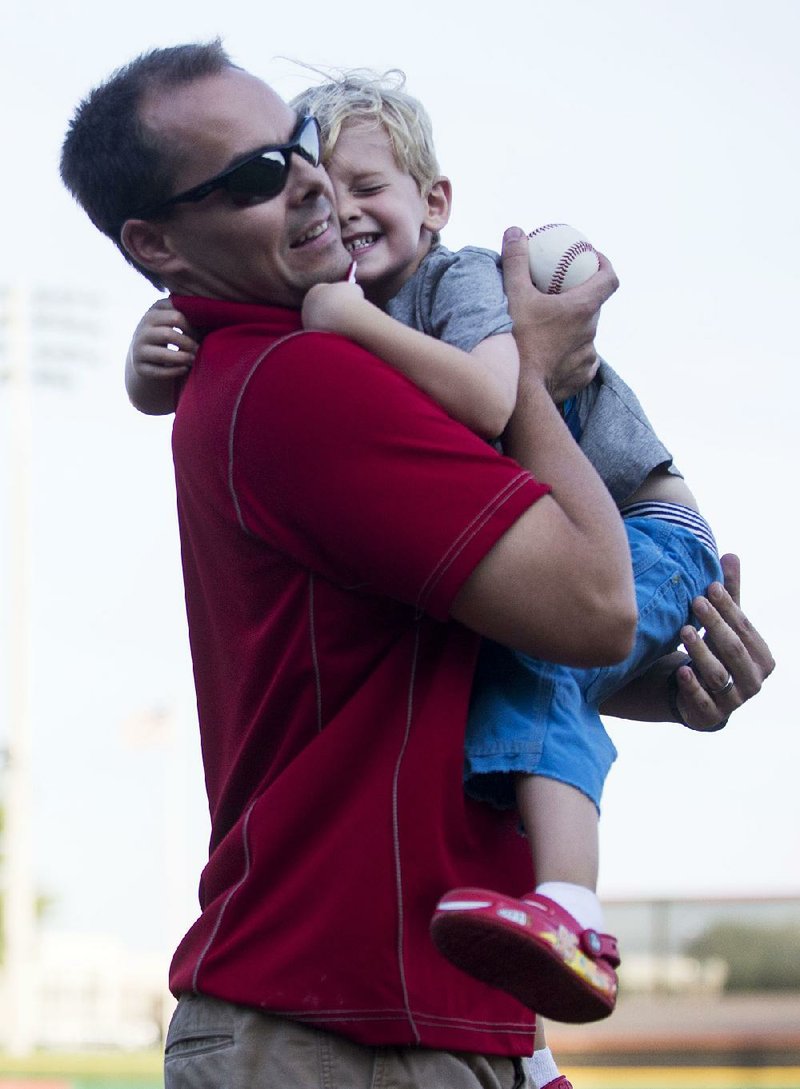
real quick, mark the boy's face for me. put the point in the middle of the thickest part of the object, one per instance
(386, 223)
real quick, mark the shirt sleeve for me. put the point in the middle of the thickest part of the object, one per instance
(455, 297)
(468, 303)
(347, 467)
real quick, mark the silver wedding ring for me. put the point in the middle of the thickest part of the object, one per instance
(725, 688)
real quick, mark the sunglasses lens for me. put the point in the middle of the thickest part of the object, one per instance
(263, 177)
(308, 141)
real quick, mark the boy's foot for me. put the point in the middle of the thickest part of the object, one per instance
(531, 948)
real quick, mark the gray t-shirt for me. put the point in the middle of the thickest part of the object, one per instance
(455, 297)
(459, 298)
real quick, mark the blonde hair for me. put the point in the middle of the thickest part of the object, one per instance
(363, 95)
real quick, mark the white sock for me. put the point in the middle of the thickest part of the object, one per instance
(580, 902)
(542, 1067)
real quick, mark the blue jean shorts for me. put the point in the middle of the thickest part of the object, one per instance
(542, 719)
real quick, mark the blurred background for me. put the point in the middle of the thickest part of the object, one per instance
(668, 134)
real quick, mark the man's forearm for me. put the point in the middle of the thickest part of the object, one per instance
(570, 598)
(540, 441)
(645, 699)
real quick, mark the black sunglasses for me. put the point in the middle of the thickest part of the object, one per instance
(261, 175)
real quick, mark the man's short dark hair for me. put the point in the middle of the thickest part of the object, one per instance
(110, 162)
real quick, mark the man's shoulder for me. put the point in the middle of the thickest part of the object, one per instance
(324, 369)
(207, 315)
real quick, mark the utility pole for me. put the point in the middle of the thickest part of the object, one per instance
(40, 330)
(18, 900)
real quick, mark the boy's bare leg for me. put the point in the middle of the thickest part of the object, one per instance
(549, 948)
(562, 827)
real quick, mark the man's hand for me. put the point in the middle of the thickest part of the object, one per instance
(732, 650)
(728, 666)
(554, 333)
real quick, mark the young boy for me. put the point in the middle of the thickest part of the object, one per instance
(534, 738)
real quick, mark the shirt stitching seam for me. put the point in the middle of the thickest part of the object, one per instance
(234, 418)
(469, 533)
(396, 837)
(227, 900)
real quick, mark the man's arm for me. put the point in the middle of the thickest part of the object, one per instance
(558, 584)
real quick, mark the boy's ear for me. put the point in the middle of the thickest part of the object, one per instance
(148, 244)
(439, 201)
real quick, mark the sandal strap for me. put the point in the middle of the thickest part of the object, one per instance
(601, 947)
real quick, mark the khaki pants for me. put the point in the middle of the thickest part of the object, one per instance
(216, 1045)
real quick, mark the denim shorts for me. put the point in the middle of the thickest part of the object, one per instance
(542, 719)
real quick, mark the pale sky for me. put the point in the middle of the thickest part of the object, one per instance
(668, 134)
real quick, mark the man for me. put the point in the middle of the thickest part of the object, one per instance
(344, 546)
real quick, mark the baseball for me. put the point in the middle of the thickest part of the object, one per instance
(560, 258)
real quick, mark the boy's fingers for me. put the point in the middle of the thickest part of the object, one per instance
(153, 370)
(156, 355)
(161, 339)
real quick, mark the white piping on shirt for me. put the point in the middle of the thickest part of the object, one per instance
(314, 655)
(396, 837)
(234, 417)
(228, 898)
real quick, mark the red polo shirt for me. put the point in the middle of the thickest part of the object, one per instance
(329, 513)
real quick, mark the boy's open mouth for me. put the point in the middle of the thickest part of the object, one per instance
(355, 245)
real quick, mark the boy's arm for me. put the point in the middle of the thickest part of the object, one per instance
(160, 355)
(476, 388)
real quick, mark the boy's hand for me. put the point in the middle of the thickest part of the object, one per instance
(332, 308)
(164, 344)
(554, 333)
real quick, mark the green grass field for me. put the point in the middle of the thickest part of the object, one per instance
(142, 1070)
(111, 1070)
(684, 1077)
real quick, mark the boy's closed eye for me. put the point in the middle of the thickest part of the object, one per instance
(367, 190)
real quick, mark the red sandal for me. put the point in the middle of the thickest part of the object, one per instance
(533, 949)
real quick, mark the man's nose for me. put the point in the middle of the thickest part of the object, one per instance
(306, 180)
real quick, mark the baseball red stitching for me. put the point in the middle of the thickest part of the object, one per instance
(545, 227)
(562, 268)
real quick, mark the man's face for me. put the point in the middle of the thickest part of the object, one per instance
(269, 250)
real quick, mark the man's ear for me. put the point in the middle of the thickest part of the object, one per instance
(438, 202)
(148, 244)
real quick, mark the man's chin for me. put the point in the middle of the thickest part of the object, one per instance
(339, 270)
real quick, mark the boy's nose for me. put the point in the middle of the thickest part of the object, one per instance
(347, 207)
